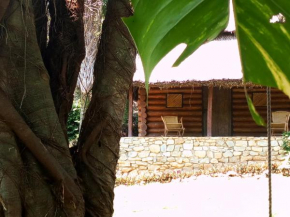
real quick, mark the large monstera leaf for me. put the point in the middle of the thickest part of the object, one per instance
(159, 26)
(263, 31)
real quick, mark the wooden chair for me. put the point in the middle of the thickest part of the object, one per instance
(280, 120)
(171, 124)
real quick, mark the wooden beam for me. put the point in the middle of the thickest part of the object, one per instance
(130, 113)
(209, 111)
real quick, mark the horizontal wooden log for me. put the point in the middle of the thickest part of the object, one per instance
(161, 125)
(250, 134)
(142, 91)
(173, 113)
(184, 108)
(273, 100)
(142, 115)
(189, 134)
(185, 119)
(196, 130)
(142, 134)
(185, 96)
(190, 91)
(142, 104)
(275, 106)
(246, 130)
(253, 90)
(273, 95)
(246, 125)
(142, 98)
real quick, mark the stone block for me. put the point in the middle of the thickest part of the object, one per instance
(143, 167)
(123, 157)
(237, 153)
(176, 165)
(254, 153)
(259, 158)
(153, 167)
(171, 159)
(141, 163)
(280, 157)
(194, 160)
(126, 169)
(274, 153)
(277, 148)
(176, 153)
(147, 159)
(167, 154)
(220, 143)
(241, 143)
(177, 147)
(170, 148)
(187, 146)
(197, 148)
(239, 148)
(205, 148)
(136, 142)
(228, 154)
(124, 163)
(252, 143)
(274, 143)
(179, 141)
(143, 154)
(224, 160)
(204, 161)
(258, 149)
(262, 143)
(158, 142)
(246, 153)
(138, 148)
(209, 154)
(124, 145)
(185, 160)
(234, 159)
(133, 154)
(154, 148)
(214, 161)
(207, 166)
(163, 148)
(187, 153)
(218, 155)
(200, 154)
(246, 158)
(230, 143)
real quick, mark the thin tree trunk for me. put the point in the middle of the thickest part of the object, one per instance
(100, 134)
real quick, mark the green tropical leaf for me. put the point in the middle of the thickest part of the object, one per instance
(255, 115)
(263, 31)
(159, 26)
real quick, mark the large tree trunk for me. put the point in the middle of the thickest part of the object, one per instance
(49, 183)
(100, 135)
(38, 175)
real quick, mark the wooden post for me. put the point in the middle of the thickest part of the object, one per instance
(130, 113)
(209, 111)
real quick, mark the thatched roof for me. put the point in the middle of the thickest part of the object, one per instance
(216, 63)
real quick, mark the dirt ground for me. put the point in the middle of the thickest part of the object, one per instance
(205, 197)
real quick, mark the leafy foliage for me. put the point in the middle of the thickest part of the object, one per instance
(262, 26)
(73, 122)
(263, 32)
(159, 26)
(286, 141)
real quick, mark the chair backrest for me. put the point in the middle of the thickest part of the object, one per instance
(280, 117)
(169, 119)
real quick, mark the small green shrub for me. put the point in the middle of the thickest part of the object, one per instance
(73, 122)
(286, 141)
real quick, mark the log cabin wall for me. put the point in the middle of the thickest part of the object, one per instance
(242, 122)
(190, 111)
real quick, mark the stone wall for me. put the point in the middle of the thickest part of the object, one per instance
(190, 153)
